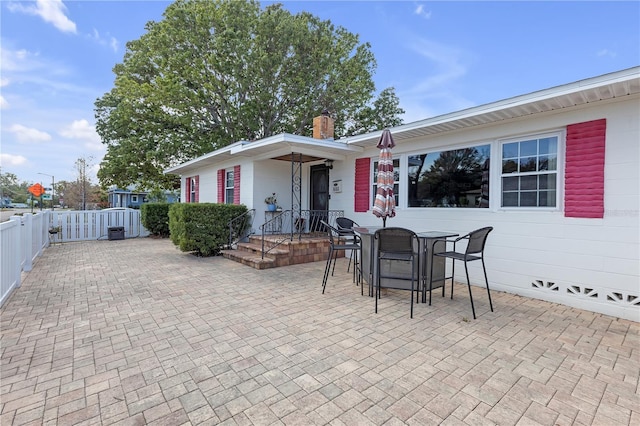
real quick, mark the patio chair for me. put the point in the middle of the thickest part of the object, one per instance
(345, 228)
(337, 243)
(397, 245)
(476, 241)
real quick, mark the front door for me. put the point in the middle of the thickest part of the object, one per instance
(319, 196)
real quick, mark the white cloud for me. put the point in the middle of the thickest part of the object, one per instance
(17, 60)
(114, 44)
(26, 134)
(107, 40)
(607, 52)
(85, 132)
(420, 11)
(3, 102)
(52, 11)
(438, 91)
(447, 62)
(8, 160)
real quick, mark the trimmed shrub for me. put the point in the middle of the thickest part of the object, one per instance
(155, 217)
(202, 228)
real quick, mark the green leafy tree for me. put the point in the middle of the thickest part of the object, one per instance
(215, 72)
(12, 188)
(384, 112)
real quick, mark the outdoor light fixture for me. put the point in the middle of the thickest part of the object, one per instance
(329, 164)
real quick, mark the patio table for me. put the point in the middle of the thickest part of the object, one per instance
(428, 242)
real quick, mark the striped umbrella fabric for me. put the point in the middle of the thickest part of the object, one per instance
(385, 203)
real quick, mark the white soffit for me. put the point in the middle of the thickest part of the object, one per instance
(605, 87)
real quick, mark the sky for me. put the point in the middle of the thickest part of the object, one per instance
(57, 58)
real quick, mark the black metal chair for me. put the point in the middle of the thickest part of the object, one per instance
(476, 241)
(345, 228)
(397, 245)
(338, 243)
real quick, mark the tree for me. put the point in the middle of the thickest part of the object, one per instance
(13, 189)
(8, 185)
(384, 112)
(215, 72)
(81, 193)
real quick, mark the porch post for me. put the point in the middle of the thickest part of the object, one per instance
(296, 191)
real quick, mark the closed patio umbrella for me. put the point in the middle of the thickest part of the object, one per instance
(385, 203)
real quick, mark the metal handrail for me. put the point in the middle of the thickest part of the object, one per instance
(240, 227)
(285, 225)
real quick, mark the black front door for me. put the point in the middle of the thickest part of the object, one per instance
(319, 196)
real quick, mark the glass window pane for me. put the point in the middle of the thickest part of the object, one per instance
(553, 162)
(510, 150)
(547, 199)
(528, 148)
(547, 181)
(509, 166)
(528, 164)
(543, 162)
(528, 199)
(510, 199)
(510, 183)
(548, 145)
(449, 178)
(528, 183)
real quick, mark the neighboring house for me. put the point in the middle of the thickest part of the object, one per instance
(555, 172)
(134, 199)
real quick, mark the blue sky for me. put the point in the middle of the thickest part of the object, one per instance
(57, 59)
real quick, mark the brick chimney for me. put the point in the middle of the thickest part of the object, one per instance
(323, 126)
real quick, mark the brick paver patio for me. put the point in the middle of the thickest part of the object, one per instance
(136, 332)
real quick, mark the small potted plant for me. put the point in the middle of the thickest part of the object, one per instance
(271, 202)
(53, 234)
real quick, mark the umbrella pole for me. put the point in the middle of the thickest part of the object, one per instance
(384, 222)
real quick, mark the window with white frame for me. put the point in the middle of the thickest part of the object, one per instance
(530, 172)
(396, 180)
(192, 190)
(134, 198)
(228, 187)
(454, 178)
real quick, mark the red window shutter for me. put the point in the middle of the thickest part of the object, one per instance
(197, 187)
(187, 195)
(236, 185)
(362, 199)
(221, 184)
(584, 169)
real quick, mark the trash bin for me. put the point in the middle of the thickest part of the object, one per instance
(116, 233)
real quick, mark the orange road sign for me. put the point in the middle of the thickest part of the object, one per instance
(36, 189)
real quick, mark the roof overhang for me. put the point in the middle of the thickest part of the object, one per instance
(605, 87)
(278, 147)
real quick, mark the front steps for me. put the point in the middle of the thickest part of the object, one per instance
(308, 249)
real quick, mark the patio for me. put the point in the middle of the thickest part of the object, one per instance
(136, 332)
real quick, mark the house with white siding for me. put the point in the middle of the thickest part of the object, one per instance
(555, 172)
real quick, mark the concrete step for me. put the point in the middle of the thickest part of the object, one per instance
(257, 248)
(287, 253)
(252, 259)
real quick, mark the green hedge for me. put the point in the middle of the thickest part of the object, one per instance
(155, 217)
(202, 227)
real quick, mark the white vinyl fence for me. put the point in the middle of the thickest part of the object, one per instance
(23, 238)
